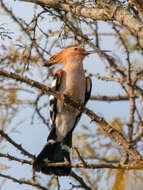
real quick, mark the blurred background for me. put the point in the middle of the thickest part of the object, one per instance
(29, 35)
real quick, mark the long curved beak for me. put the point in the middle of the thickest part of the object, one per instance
(96, 51)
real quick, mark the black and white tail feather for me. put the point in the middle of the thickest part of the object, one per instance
(59, 141)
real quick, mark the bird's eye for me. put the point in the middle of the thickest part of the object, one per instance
(75, 48)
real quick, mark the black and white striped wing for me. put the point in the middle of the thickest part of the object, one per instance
(53, 100)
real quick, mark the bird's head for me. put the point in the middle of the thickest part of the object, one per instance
(70, 52)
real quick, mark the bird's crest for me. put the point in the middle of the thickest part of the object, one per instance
(55, 59)
(71, 51)
(59, 57)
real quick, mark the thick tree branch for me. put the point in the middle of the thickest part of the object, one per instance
(118, 13)
(116, 135)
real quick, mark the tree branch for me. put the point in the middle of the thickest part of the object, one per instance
(109, 98)
(23, 181)
(118, 165)
(19, 147)
(80, 180)
(118, 13)
(10, 157)
(98, 166)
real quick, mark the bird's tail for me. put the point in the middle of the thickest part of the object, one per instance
(53, 152)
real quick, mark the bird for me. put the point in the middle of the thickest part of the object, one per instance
(69, 80)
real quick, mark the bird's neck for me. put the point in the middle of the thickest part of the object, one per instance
(74, 79)
(73, 64)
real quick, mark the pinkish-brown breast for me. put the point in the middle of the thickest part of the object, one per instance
(73, 81)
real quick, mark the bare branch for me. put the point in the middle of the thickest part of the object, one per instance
(80, 180)
(79, 165)
(109, 98)
(19, 147)
(23, 181)
(10, 157)
(118, 13)
(98, 166)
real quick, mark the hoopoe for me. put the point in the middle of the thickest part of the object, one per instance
(69, 80)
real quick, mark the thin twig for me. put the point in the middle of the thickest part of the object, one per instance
(10, 157)
(58, 182)
(110, 98)
(80, 180)
(79, 156)
(22, 181)
(19, 147)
